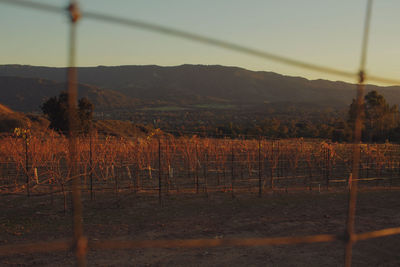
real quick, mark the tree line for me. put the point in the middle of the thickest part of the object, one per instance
(381, 123)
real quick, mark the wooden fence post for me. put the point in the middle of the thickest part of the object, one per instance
(28, 180)
(159, 172)
(232, 173)
(259, 168)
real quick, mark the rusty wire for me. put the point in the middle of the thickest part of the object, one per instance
(80, 244)
(350, 235)
(64, 245)
(38, 247)
(377, 233)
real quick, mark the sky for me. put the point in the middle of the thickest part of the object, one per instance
(324, 32)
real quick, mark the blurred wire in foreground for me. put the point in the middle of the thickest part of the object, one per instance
(63, 245)
(351, 214)
(80, 242)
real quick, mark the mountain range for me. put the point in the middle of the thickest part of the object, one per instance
(25, 87)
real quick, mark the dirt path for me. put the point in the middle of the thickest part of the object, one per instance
(218, 216)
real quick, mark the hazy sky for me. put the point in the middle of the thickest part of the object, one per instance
(325, 32)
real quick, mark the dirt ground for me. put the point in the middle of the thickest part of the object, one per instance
(140, 217)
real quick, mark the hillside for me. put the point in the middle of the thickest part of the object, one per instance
(27, 94)
(198, 84)
(9, 120)
(5, 110)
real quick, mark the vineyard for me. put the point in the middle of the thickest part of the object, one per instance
(316, 218)
(37, 164)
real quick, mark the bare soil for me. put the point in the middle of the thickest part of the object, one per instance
(140, 217)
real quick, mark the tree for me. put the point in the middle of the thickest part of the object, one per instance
(56, 109)
(85, 112)
(378, 117)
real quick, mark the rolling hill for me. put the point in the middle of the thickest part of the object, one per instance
(185, 85)
(27, 94)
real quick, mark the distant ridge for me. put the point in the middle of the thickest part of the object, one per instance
(185, 85)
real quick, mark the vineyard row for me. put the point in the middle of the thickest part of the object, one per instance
(40, 164)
